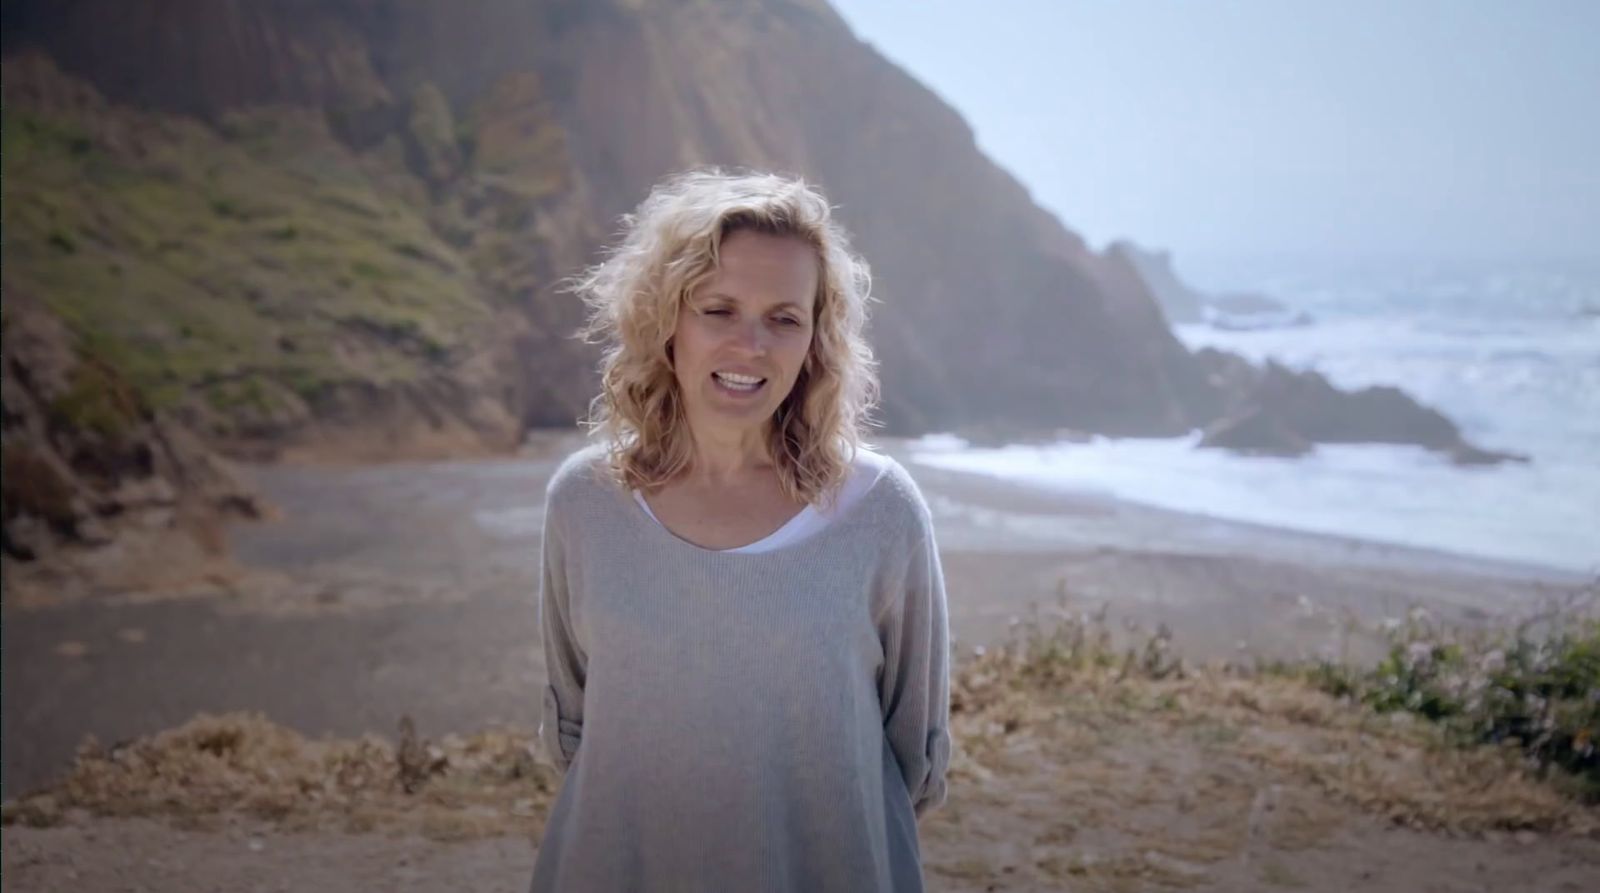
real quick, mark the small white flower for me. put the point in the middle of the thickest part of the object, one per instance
(1418, 653)
(1493, 662)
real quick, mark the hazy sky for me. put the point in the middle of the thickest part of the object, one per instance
(1358, 128)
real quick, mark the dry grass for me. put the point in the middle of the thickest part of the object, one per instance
(1065, 683)
(460, 787)
(1151, 771)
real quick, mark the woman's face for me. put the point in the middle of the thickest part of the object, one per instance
(742, 337)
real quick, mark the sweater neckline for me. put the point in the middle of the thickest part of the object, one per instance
(800, 517)
(637, 515)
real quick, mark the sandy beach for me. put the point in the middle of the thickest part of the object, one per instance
(410, 589)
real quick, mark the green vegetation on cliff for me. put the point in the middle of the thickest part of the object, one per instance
(241, 271)
(253, 267)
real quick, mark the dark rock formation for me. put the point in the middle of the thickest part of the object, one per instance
(1276, 410)
(1246, 302)
(1256, 431)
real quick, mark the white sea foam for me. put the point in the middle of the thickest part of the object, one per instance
(1511, 356)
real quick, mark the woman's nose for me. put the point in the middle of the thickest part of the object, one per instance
(752, 336)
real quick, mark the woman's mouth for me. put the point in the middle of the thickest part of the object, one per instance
(736, 384)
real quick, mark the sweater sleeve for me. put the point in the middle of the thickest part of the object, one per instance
(561, 722)
(914, 689)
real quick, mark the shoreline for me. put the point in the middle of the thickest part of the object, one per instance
(1226, 589)
(1410, 552)
(1222, 532)
(1219, 532)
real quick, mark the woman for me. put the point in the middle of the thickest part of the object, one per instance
(743, 611)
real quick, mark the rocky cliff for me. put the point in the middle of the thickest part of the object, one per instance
(350, 185)
(338, 227)
(90, 469)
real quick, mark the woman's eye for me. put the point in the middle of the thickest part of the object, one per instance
(717, 311)
(788, 320)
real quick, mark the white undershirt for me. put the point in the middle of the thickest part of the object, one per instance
(864, 473)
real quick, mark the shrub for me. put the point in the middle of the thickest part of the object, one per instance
(1534, 684)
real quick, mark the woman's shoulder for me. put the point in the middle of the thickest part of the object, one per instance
(895, 493)
(579, 473)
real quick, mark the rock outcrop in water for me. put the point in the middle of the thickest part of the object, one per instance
(1184, 304)
(1273, 410)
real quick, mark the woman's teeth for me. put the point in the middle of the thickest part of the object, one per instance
(736, 382)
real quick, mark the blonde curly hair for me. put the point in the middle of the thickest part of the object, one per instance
(669, 248)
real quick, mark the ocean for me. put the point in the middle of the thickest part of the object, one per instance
(1510, 352)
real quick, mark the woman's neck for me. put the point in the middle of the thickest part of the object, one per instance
(728, 455)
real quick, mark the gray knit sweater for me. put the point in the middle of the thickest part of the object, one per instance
(742, 722)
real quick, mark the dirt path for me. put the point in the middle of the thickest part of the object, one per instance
(1006, 836)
